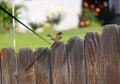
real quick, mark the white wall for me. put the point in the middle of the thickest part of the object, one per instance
(37, 9)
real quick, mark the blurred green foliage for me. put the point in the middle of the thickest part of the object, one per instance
(6, 20)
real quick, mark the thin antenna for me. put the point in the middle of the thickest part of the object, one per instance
(24, 25)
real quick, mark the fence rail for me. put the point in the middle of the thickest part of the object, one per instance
(94, 60)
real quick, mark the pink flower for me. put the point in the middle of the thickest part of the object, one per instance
(105, 4)
(82, 23)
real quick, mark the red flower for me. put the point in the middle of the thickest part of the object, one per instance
(87, 22)
(97, 10)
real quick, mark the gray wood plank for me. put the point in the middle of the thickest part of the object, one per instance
(8, 63)
(59, 63)
(0, 69)
(93, 57)
(25, 58)
(43, 66)
(110, 54)
(76, 58)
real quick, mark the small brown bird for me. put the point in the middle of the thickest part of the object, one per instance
(56, 37)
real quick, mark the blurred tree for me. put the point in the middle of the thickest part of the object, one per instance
(35, 25)
(6, 20)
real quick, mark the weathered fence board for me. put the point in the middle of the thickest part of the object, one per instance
(95, 60)
(110, 55)
(8, 63)
(43, 66)
(0, 70)
(76, 59)
(25, 58)
(59, 63)
(93, 57)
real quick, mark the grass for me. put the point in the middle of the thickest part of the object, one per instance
(32, 41)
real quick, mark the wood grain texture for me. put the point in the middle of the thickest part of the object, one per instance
(110, 54)
(76, 59)
(8, 63)
(0, 69)
(43, 66)
(59, 63)
(25, 58)
(93, 58)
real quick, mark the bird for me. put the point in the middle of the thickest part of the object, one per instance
(56, 37)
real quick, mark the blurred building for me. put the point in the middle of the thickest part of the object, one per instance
(37, 11)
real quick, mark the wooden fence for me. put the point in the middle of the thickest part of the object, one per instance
(94, 60)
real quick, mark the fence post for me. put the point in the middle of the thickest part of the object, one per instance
(59, 63)
(76, 60)
(110, 47)
(25, 58)
(43, 66)
(93, 58)
(8, 64)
